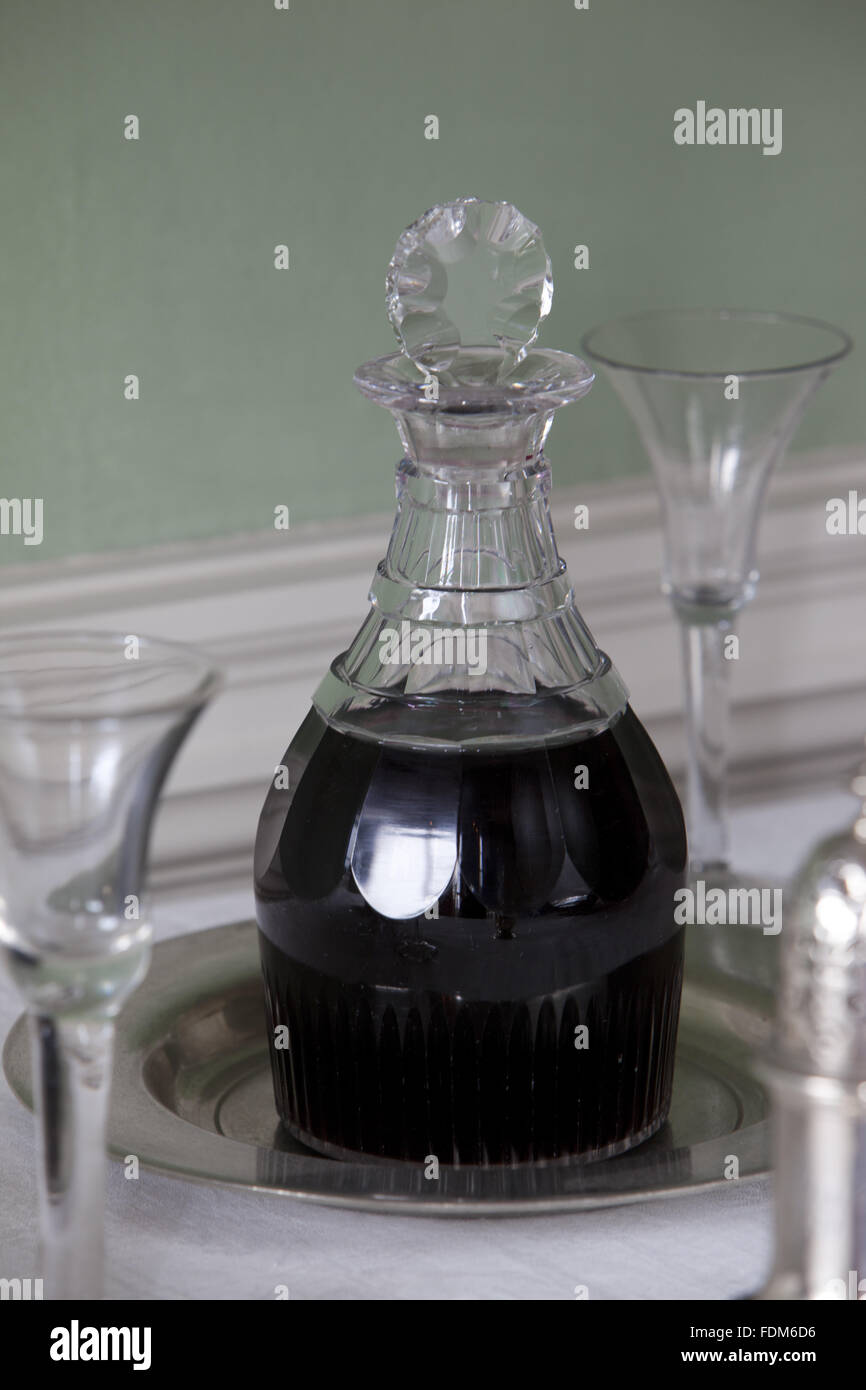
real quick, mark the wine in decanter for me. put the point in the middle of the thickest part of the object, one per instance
(465, 880)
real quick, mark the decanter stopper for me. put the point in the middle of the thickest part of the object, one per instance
(468, 274)
(816, 1072)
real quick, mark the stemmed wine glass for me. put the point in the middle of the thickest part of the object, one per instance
(717, 395)
(89, 725)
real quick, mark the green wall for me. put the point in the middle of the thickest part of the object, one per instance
(261, 127)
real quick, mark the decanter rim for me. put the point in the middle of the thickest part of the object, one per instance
(544, 379)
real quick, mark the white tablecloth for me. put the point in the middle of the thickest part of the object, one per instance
(174, 1239)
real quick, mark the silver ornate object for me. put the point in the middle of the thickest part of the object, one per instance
(816, 1073)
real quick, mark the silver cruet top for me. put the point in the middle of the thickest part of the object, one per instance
(821, 1017)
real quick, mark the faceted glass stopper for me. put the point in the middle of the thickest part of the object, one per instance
(468, 274)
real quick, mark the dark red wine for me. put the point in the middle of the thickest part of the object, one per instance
(472, 954)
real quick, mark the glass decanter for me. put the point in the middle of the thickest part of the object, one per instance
(466, 863)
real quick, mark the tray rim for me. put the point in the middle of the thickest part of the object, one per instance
(139, 1031)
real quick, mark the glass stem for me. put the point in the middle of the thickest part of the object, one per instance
(71, 1073)
(707, 709)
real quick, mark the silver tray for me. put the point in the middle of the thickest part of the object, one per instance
(192, 1092)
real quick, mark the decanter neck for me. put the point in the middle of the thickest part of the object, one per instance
(473, 436)
(473, 635)
(481, 525)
